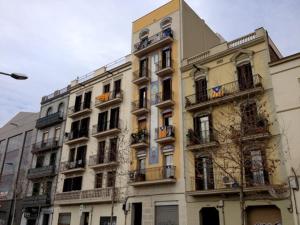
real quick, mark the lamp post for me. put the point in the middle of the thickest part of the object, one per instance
(17, 76)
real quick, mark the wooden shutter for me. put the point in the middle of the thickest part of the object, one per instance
(87, 100)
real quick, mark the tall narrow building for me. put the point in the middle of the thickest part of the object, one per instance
(46, 150)
(92, 182)
(160, 40)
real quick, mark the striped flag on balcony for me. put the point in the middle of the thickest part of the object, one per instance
(217, 91)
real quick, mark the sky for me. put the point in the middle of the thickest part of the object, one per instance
(55, 41)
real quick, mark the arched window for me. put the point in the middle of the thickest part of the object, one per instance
(49, 111)
(61, 108)
(144, 33)
(166, 22)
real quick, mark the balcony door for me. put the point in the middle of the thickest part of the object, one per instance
(245, 76)
(169, 171)
(106, 88)
(117, 88)
(143, 97)
(202, 128)
(84, 127)
(113, 149)
(204, 177)
(87, 100)
(166, 57)
(78, 100)
(201, 90)
(249, 117)
(102, 121)
(167, 89)
(143, 67)
(80, 156)
(101, 152)
(75, 129)
(114, 118)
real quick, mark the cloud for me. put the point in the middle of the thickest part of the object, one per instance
(54, 41)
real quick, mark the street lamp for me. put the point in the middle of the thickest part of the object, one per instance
(17, 76)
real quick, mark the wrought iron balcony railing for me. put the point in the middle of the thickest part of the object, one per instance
(223, 92)
(200, 137)
(49, 144)
(109, 98)
(36, 201)
(141, 136)
(67, 165)
(153, 40)
(153, 174)
(45, 171)
(84, 107)
(49, 120)
(165, 132)
(111, 125)
(141, 76)
(140, 106)
(112, 157)
(76, 134)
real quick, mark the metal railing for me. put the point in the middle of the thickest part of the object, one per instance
(49, 120)
(255, 126)
(55, 94)
(36, 200)
(140, 104)
(152, 174)
(163, 64)
(163, 96)
(222, 90)
(102, 193)
(41, 172)
(108, 96)
(101, 159)
(75, 134)
(141, 136)
(81, 107)
(200, 137)
(144, 72)
(67, 165)
(153, 39)
(50, 143)
(164, 132)
(108, 125)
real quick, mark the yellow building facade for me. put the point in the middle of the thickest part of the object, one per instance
(232, 146)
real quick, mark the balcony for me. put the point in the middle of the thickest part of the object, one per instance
(223, 93)
(164, 100)
(49, 120)
(46, 171)
(46, 145)
(36, 201)
(165, 134)
(156, 41)
(106, 129)
(100, 162)
(80, 110)
(153, 176)
(108, 99)
(77, 136)
(141, 76)
(140, 139)
(226, 186)
(101, 195)
(72, 167)
(140, 107)
(256, 130)
(165, 68)
(201, 140)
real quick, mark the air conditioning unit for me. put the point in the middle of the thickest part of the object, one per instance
(229, 182)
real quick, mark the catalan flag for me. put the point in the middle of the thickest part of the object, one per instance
(217, 91)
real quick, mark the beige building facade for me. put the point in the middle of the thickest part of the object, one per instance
(285, 74)
(231, 136)
(160, 40)
(92, 180)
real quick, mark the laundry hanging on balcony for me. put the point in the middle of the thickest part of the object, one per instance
(104, 97)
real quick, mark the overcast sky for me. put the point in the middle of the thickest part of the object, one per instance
(54, 41)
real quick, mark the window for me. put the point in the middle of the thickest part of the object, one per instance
(72, 154)
(166, 22)
(45, 137)
(64, 219)
(46, 219)
(105, 220)
(52, 159)
(78, 101)
(85, 218)
(202, 129)
(114, 118)
(113, 149)
(80, 128)
(201, 90)
(245, 77)
(98, 178)
(57, 133)
(143, 72)
(39, 161)
(87, 100)
(255, 172)
(169, 168)
(72, 184)
(61, 109)
(167, 119)
(106, 88)
(141, 175)
(117, 88)
(102, 121)
(166, 58)
(143, 98)
(36, 189)
(49, 111)
(142, 124)
(101, 152)
(77, 156)
(167, 89)
(111, 178)
(204, 177)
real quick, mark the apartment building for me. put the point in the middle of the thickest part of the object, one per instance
(160, 40)
(46, 150)
(285, 74)
(92, 181)
(233, 156)
(16, 138)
